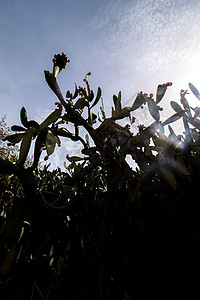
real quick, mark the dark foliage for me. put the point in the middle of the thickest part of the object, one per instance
(101, 230)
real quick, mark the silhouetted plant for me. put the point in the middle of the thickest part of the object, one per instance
(101, 229)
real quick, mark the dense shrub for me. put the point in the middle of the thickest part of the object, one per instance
(100, 229)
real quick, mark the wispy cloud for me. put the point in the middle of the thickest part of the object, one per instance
(68, 147)
(149, 33)
(128, 45)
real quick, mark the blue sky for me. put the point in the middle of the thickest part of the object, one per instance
(127, 45)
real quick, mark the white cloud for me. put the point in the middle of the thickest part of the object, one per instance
(149, 33)
(130, 45)
(68, 147)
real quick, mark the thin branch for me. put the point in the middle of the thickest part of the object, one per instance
(66, 133)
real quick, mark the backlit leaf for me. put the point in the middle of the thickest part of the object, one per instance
(138, 102)
(176, 106)
(173, 118)
(90, 117)
(98, 96)
(76, 92)
(39, 145)
(91, 96)
(117, 102)
(147, 133)
(81, 103)
(50, 142)
(53, 117)
(125, 112)
(14, 138)
(186, 105)
(171, 130)
(68, 94)
(87, 139)
(100, 118)
(102, 111)
(194, 90)
(17, 128)
(153, 109)
(74, 158)
(172, 134)
(187, 130)
(160, 93)
(23, 117)
(25, 146)
(52, 82)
